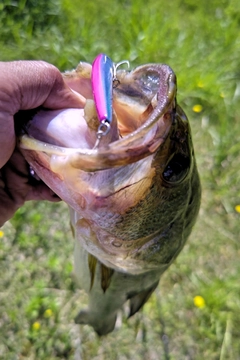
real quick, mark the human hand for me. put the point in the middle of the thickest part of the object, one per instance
(26, 85)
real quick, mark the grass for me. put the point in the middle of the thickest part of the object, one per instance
(38, 297)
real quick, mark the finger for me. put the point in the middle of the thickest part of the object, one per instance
(40, 191)
(20, 186)
(7, 137)
(15, 175)
(29, 84)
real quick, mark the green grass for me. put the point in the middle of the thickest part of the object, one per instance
(38, 297)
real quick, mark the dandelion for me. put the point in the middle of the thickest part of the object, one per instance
(48, 313)
(197, 108)
(199, 301)
(200, 84)
(1, 233)
(36, 326)
(237, 208)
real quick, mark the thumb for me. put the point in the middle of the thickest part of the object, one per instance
(35, 83)
(27, 85)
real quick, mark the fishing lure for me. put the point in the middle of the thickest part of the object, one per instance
(102, 79)
(102, 85)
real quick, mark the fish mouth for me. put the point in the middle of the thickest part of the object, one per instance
(150, 88)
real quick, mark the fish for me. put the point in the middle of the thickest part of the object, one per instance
(133, 192)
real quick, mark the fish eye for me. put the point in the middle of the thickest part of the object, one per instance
(177, 168)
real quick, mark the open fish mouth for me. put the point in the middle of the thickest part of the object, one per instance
(143, 109)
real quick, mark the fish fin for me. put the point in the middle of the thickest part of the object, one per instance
(82, 317)
(106, 274)
(92, 263)
(72, 229)
(101, 327)
(106, 326)
(137, 301)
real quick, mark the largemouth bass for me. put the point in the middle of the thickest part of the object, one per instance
(133, 191)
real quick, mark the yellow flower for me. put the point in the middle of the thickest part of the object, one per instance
(200, 84)
(48, 313)
(199, 301)
(197, 108)
(237, 208)
(1, 233)
(36, 325)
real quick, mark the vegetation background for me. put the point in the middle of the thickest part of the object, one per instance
(200, 40)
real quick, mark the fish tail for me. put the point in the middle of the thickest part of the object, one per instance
(100, 326)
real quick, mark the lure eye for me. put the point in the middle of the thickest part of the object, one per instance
(177, 168)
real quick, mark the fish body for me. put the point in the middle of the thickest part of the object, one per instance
(133, 198)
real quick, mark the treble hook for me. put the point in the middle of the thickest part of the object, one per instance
(115, 66)
(104, 77)
(103, 130)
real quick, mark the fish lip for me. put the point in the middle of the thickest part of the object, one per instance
(132, 147)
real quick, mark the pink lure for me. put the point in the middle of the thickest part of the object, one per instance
(102, 85)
